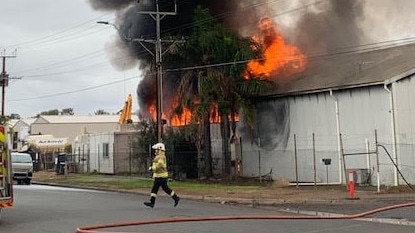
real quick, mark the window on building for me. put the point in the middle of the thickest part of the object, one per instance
(105, 150)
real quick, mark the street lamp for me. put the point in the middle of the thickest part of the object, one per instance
(157, 16)
(117, 28)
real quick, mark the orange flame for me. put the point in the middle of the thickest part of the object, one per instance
(278, 58)
(185, 117)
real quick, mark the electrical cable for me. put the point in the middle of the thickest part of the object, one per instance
(397, 167)
(76, 91)
(58, 33)
(227, 13)
(343, 50)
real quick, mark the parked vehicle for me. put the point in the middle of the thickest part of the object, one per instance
(6, 182)
(22, 165)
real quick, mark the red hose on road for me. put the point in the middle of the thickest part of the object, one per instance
(92, 229)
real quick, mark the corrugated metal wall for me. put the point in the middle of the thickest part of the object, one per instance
(404, 102)
(296, 133)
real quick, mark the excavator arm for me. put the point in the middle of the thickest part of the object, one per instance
(126, 112)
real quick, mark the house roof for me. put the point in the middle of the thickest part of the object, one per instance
(68, 119)
(347, 70)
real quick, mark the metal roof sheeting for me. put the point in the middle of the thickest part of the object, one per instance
(346, 70)
(70, 119)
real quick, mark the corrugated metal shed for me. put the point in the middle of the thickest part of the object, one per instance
(72, 125)
(70, 119)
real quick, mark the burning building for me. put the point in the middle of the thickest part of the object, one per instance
(332, 95)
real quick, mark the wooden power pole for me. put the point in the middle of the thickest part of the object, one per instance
(4, 80)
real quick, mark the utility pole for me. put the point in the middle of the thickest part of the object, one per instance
(4, 80)
(158, 16)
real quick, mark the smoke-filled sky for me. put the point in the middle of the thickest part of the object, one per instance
(65, 59)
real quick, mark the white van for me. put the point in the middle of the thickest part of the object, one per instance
(22, 167)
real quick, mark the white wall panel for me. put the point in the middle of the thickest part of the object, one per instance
(362, 111)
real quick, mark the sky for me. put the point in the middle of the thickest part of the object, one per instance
(59, 58)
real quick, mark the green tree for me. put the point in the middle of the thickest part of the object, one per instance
(67, 111)
(220, 86)
(101, 112)
(15, 116)
(56, 112)
(52, 112)
(145, 137)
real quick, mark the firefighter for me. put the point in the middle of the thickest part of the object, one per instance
(160, 175)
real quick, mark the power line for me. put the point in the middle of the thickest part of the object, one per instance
(351, 49)
(343, 51)
(75, 91)
(192, 68)
(82, 57)
(73, 30)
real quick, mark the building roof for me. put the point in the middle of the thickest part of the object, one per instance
(71, 119)
(347, 70)
(49, 142)
(12, 122)
(29, 121)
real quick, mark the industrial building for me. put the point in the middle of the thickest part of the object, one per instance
(347, 112)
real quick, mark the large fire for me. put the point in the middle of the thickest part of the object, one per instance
(279, 59)
(185, 117)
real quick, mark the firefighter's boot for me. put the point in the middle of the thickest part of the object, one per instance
(176, 199)
(151, 202)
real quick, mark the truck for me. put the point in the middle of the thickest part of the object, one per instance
(22, 164)
(6, 180)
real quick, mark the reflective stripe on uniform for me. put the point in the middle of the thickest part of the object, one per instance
(6, 204)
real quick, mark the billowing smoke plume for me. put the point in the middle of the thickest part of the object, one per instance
(325, 26)
(135, 25)
(312, 25)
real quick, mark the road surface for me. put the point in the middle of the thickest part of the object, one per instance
(41, 209)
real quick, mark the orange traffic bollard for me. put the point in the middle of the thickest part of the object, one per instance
(351, 184)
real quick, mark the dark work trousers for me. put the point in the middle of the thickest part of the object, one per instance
(160, 182)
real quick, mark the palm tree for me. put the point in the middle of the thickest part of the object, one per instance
(218, 85)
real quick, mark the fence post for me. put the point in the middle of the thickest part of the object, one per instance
(377, 162)
(259, 160)
(314, 162)
(296, 159)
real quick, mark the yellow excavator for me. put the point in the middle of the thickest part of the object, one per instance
(126, 112)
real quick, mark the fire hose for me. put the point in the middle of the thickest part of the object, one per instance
(93, 228)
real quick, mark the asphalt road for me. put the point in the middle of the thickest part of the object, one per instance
(41, 208)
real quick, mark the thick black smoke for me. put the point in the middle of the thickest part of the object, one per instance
(322, 26)
(135, 25)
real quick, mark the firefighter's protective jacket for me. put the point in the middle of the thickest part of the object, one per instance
(159, 166)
